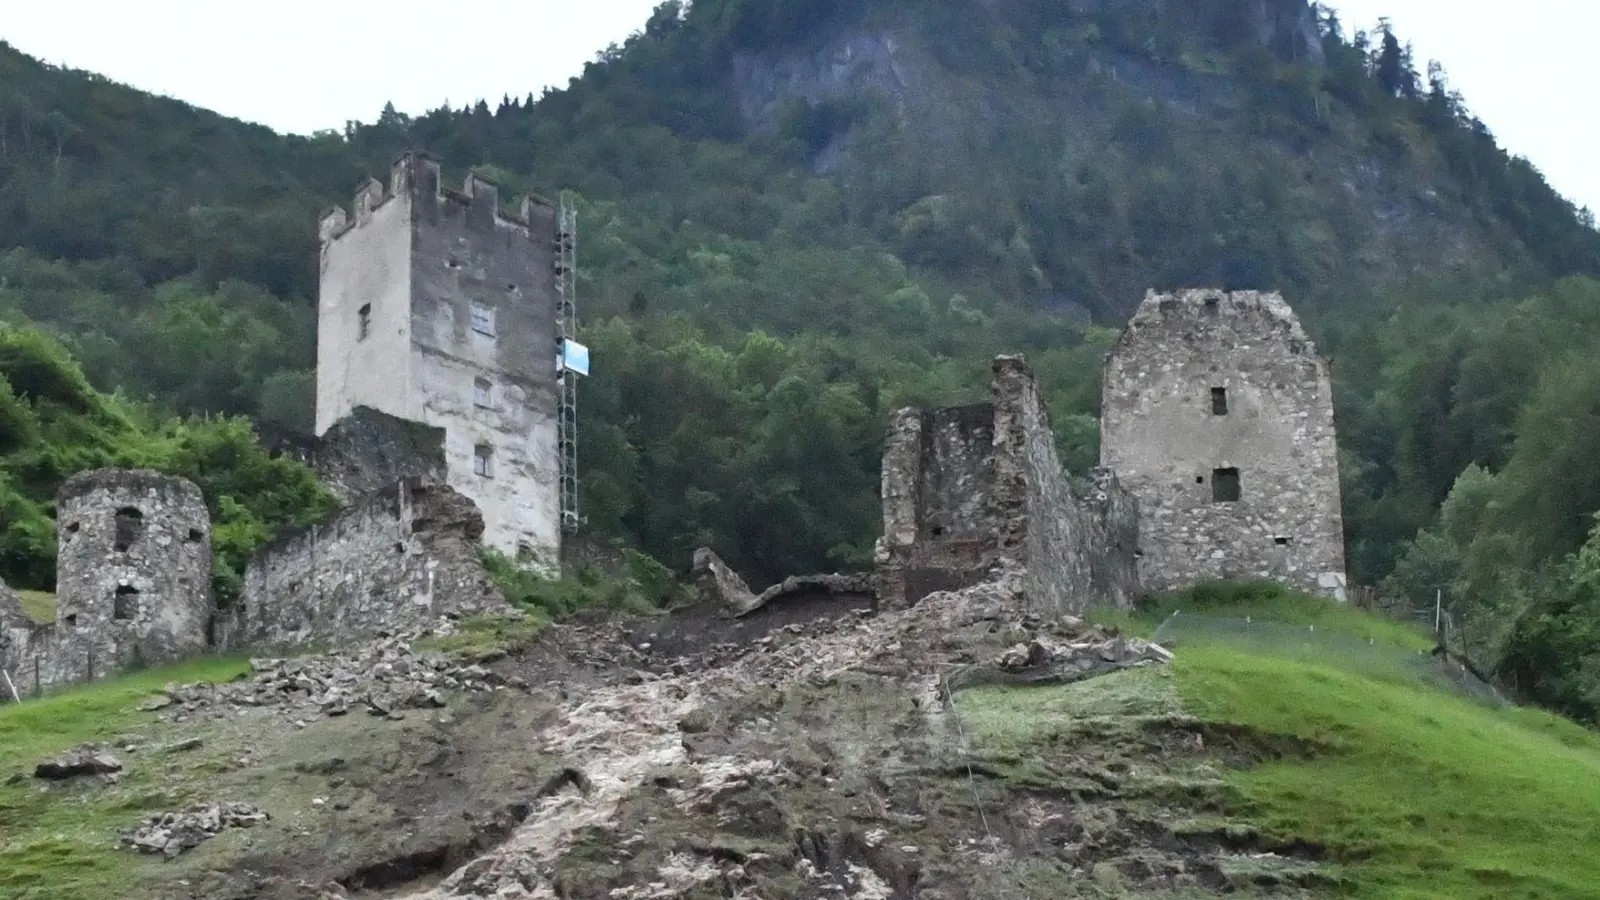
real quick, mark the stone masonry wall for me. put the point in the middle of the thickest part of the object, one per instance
(975, 494)
(134, 564)
(398, 560)
(368, 450)
(1206, 386)
(133, 582)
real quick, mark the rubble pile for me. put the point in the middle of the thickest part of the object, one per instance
(384, 677)
(1069, 650)
(86, 759)
(172, 833)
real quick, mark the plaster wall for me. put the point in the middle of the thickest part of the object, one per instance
(365, 262)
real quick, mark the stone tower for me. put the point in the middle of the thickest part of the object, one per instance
(1218, 416)
(438, 306)
(133, 570)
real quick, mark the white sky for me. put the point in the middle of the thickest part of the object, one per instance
(1527, 69)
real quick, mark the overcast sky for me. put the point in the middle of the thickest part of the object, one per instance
(1528, 69)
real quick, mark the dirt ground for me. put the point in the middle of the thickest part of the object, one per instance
(806, 751)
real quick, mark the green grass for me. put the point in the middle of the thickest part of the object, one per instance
(1419, 793)
(1414, 791)
(60, 843)
(40, 606)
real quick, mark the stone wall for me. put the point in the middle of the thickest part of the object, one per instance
(977, 493)
(398, 560)
(133, 582)
(1218, 416)
(134, 564)
(368, 450)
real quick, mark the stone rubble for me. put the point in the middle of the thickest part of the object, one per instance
(629, 733)
(87, 759)
(384, 677)
(173, 833)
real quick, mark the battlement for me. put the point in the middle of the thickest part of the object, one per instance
(417, 174)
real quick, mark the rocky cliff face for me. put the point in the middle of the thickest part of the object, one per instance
(999, 127)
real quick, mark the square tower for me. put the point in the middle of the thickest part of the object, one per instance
(1217, 415)
(438, 306)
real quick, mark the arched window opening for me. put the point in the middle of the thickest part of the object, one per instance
(130, 525)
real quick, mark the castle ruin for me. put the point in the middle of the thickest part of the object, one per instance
(440, 307)
(1218, 416)
(977, 494)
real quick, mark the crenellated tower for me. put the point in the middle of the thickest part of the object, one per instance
(442, 307)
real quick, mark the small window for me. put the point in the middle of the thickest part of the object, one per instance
(1219, 401)
(483, 461)
(364, 322)
(1281, 541)
(1212, 305)
(482, 392)
(125, 604)
(196, 535)
(72, 528)
(1225, 486)
(483, 319)
(130, 524)
(72, 620)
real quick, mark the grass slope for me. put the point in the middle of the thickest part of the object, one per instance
(61, 842)
(1411, 790)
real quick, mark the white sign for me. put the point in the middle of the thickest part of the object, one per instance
(575, 357)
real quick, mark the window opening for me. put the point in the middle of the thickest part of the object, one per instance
(364, 322)
(1199, 479)
(1219, 401)
(483, 319)
(1212, 305)
(72, 620)
(125, 604)
(524, 552)
(73, 528)
(1225, 486)
(1281, 541)
(482, 392)
(130, 524)
(483, 461)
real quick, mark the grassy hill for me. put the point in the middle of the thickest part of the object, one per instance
(1239, 769)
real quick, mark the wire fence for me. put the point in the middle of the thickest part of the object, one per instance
(1313, 644)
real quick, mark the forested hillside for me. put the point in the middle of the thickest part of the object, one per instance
(800, 215)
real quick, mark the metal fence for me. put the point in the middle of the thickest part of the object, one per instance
(1345, 650)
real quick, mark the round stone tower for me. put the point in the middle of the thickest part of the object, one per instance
(133, 572)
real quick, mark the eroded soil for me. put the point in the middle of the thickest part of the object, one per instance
(811, 750)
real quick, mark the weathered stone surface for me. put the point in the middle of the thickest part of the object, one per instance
(719, 585)
(133, 582)
(170, 834)
(88, 759)
(1207, 385)
(973, 493)
(365, 452)
(397, 561)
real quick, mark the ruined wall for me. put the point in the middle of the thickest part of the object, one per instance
(134, 564)
(977, 493)
(369, 450)
(466, 339)
(396, 561)
(938, 475)
(1218, 416)
(133, 582)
